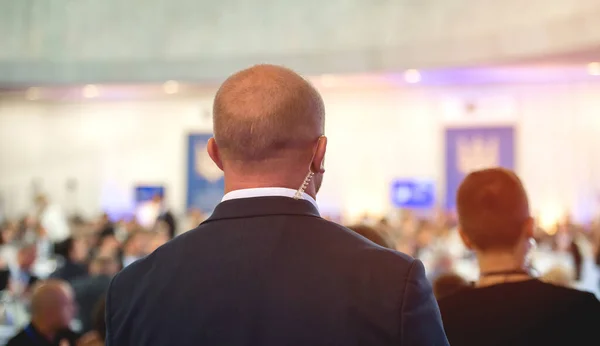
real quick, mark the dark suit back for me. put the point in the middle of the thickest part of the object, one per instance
(88, 292)
(270, 271)
(527, 313)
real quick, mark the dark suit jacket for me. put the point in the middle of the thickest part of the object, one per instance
(88, 292)
(30, 336)
(70, 271)
(527, 313)
(168, 218)
(270, 271)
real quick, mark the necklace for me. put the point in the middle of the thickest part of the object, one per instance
(506, 273)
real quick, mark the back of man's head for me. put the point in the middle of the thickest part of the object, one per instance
(52, 304)
(493, 209)
(266, 112)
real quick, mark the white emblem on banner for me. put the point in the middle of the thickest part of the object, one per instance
(204, 166)
(477, 153)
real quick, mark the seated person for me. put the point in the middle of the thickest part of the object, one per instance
(133, 248)
(97, 336)
(507, 306)
(108, 245)
(18, 277)
(89, 290)
(52, 308)
(73, 252)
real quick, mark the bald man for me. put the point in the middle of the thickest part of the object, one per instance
(508, 306)
(52, 309)
(265, 268)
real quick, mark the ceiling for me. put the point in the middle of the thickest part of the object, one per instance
(571, 67)
(71, 42)
(572, 58)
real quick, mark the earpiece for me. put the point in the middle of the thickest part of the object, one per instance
(304, 185)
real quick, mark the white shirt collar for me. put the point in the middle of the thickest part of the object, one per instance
(266, 192)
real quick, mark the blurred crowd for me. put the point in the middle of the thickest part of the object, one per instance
(566, 253)
(56, 269)
(76, 258)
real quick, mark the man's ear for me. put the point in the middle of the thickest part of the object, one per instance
(213, 152)
(465, 239)
(318, 163)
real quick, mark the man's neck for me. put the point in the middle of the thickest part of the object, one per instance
(44, 330)
(501, 267)
(241, 185)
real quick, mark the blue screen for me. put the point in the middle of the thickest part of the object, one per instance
(146, 193)
(413, 193)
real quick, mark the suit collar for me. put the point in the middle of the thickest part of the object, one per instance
(262, 206)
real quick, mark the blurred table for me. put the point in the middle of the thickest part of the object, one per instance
(13, 316)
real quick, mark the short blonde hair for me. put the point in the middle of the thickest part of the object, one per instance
(265, 109)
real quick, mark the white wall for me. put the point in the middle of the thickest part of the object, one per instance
(107, 147)
(375, 135)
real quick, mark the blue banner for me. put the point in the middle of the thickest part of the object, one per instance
(473, 148)
(413, 193)
(146, 193)
(205, 183)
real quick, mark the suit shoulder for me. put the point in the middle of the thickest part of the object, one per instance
(142, 267)
(585, 300)
(567, 294)
(577, 305)
(131, 274)
(367, 247)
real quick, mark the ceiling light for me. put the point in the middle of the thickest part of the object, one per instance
(171, 87)
(33, 94)
(412, 76)
(90, 91)
(594, 68)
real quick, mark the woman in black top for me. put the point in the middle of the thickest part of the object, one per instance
(507, 306)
